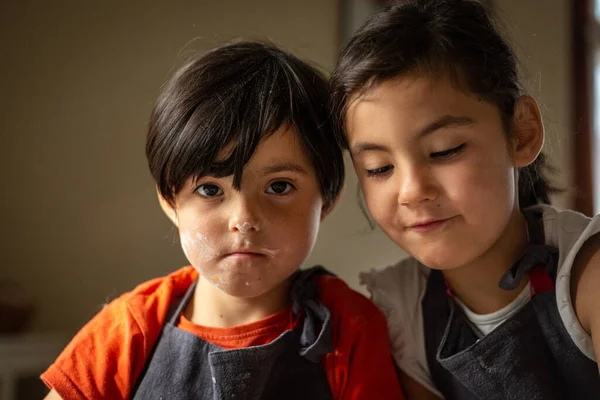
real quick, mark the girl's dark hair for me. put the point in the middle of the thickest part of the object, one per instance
(454, 38)
(232, 97)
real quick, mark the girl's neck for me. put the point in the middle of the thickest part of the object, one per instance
(477, 284)
(212, 307)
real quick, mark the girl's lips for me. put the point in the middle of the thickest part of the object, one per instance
(429, 226)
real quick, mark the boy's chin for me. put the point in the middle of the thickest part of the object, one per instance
(250, 288)
(242, 291)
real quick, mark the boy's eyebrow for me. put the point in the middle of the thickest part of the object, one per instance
(284, 167)
(445, 121)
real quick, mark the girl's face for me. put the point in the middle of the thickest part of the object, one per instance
(435, 166)
(248, 242)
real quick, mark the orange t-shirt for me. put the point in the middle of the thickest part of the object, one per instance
(105, 358)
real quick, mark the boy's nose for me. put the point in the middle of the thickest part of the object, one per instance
(245, 217)
(246, 227)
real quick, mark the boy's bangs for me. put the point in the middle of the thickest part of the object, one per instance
(214, 113)
(231, 158)
(224, 146)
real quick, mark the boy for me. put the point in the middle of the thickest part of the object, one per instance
(246, 166)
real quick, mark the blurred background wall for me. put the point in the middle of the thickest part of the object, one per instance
(79, 216)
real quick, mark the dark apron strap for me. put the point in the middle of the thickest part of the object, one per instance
(537, 255)
(184, 366)
(177, 307)
(444, 322)
(316, 335)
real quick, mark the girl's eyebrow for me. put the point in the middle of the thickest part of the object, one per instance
(361, 147)
(446, 121)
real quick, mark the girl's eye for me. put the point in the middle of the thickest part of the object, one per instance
(280, 187)
(380, 171)
(448, 154)
(209, 190)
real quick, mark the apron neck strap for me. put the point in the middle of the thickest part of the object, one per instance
(536, 256)
(178, 306)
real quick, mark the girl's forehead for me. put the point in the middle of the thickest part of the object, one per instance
(415, 108)
(412, 99)
(416, 86)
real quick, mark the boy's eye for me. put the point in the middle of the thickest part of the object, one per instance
(209, 190)
(379, 171)
(280, 187)
(447, 154)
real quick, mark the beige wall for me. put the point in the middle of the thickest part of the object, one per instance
(80, 220)
(541, 35)
(79, 216)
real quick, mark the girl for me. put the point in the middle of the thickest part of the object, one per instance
(499, 299)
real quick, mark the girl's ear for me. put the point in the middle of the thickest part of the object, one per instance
(528, 132)
(169, 210)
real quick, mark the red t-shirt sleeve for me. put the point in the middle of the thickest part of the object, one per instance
(101, 359)
(105, 358)
(361, 366)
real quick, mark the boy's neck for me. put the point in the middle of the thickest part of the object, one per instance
(209, 306)
(477, 284)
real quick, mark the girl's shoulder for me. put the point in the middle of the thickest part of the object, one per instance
(566, 229)
(398, 290)
(391, 286)
(569, 231)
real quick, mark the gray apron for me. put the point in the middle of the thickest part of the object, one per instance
(529, 356)
(183, 366)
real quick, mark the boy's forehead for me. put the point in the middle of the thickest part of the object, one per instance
(239, 142)
(283, 146)
(226, 152)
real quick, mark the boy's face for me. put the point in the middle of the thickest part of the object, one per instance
(248, 242)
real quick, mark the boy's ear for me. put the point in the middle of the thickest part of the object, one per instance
(328, 207)
(169, 210)
(528, 132)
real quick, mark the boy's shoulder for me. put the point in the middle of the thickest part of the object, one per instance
(105, 357)
(145, 307)
(154, 297)
(360, 338)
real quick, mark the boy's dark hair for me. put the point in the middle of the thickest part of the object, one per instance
(235, 95)
(454, 38)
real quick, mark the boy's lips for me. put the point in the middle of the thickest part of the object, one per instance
(244, 252)
(244, 248)
(244, 255)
